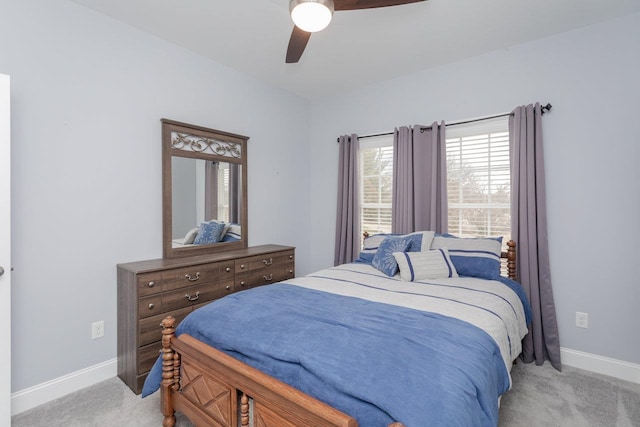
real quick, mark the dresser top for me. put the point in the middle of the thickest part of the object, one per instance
(169, 263)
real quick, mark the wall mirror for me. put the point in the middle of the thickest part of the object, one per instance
(204, 184)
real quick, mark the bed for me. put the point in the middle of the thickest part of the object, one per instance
(347, 346)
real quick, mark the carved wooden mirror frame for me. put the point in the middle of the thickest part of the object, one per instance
(196, 142)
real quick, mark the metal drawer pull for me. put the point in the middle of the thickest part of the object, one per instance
(194, 278)
(151, 284)
(151, 306)
(228, 287)
(268, 278)
(290, 256)
(268, 262)
(228, 269)
(242, 266)
(192, 298)
(242, 283)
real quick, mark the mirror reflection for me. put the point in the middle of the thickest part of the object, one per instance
(206, 202)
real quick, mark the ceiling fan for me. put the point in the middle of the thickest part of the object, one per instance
(310, 16)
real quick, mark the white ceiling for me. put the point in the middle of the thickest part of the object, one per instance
(359, 47)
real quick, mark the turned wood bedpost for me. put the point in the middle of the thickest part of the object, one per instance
(244, 410)
(511, 260)
(170, 371)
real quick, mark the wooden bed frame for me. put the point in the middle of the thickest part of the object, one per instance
(213, 389)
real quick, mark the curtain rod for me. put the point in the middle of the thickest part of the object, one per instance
(544, 109)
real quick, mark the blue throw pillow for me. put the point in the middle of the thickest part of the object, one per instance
(473, 257)
(209, 232)
(420, 241)
(370, 247)
(384, 260)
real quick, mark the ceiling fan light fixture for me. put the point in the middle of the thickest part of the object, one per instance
(311, 15)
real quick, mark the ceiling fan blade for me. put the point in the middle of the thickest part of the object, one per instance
(369, 4)
(297, 43)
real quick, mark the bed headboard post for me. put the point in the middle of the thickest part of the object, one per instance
(511, 260)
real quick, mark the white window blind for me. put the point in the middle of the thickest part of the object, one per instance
(478, 179)
(223, 191)
(376, 183)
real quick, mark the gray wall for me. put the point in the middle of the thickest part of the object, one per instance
(88, 94)
(592, 153)
(183, 196)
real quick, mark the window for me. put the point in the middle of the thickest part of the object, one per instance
(478, 180)
(223, 191)
(376, 183)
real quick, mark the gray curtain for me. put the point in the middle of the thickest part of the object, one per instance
(347, 247)
(235, 192)
(419, 198)
(529, 230)
(210, 190)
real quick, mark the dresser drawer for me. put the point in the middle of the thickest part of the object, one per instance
(153, 283)
(258, 263)
(150, 306)
(150, 329)
(185, 297)
(147, 356)
(265, 276)
(289, 271)
(194, 295)
(149, 284)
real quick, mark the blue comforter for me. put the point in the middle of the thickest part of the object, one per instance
(376, 362)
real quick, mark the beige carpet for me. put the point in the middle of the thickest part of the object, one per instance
(541, 396)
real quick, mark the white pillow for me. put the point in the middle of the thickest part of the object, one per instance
(191, 236)
(416, 266)
(227, 226)
(234, 230)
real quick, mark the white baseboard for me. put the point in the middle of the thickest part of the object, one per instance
(602, 365)
(46, 392)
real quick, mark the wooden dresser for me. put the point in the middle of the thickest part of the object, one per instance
(148, 291)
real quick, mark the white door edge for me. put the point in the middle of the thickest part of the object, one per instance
(5, 250)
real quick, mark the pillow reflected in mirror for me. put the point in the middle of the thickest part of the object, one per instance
(233, 233)
(209, 232)
(191, 236)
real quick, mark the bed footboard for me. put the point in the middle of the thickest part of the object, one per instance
(212, 388)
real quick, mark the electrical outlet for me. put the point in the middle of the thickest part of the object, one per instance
(97, 329)
(582, 320)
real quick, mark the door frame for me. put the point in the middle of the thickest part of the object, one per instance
(5, 249)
